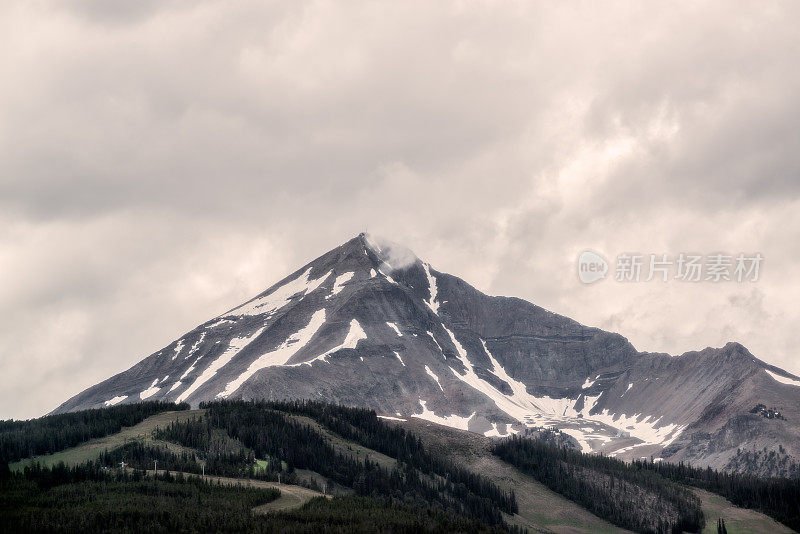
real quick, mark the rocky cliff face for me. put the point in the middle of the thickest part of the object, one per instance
(369, 324)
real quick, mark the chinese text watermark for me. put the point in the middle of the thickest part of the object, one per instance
(683, 267)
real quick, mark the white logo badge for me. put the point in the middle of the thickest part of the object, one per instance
(591, 267)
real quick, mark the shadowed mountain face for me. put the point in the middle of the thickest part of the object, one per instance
(369, 324)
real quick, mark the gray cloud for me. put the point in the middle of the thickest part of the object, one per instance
(161, 162)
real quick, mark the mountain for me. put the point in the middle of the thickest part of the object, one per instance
(369, 324)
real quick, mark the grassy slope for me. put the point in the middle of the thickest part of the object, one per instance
(94, 448)
(736, 519)
(342, 446)
(291, 496)
(540, 509)
(348, 448)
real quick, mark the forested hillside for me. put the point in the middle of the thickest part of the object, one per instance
(616, 490)
(384, 476)
(778, 498)
(53, 433)
(634, 499)
(419, 477)
(89, 498)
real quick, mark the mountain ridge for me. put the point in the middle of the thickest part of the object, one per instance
(370, 324)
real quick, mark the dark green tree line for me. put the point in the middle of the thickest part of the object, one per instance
(778, 498)
(632, 498)
(271, 434)
(53, 433)
(88, 498)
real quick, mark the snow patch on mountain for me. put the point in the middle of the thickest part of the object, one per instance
(190, 369)
(580, 437)
(454, 421)
(178, 349)
(548, 411)
(495, 432)
(149, 392)
(520, 404)
(354, 334)
(217, 323)
(646, 428)
(783, 379)
(394, 327)
(196, 345)
(339, 283)
(437, 344)
(399, 358)
(116, 400)
(392, 418)
(234, 347)
(281, 296)
(432, 374)
(431, 302)
(462, 354)
(280, 355)
(389, 278)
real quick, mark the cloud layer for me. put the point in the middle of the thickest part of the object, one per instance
(161, 162)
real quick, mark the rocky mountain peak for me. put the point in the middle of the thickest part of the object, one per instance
(370, 324)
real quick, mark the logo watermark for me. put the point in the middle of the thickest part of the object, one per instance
(683, 267)
(591, 267)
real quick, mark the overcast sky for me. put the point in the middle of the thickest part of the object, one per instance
(161, 162)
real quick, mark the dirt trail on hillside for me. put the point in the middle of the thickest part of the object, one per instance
(291, 496)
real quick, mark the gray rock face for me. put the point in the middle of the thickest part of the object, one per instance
(369, 324)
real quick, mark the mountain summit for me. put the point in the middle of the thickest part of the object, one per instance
(370, 324)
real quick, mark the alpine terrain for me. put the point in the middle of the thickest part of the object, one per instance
(368, 324)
